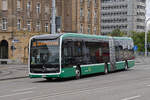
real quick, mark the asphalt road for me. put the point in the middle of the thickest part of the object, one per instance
(133, 84)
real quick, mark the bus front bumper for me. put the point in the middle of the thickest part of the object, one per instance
(44, 76)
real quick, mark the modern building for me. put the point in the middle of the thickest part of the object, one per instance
(21, 19)
(126, 15)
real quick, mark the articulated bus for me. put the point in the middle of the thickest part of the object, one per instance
(74, 55)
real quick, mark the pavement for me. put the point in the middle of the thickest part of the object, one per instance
(142, 60)
(8, 71)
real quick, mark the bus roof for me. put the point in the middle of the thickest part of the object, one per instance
(84, 36)
(94, 36)
(122, 38)
(47, 36)
(65, 35)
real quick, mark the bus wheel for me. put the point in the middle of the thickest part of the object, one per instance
(106, 69)
(126, 65)
(78, 73)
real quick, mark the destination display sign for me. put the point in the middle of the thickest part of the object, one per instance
(44, 43)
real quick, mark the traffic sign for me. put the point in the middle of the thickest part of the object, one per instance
(135, 48)
(15, 40)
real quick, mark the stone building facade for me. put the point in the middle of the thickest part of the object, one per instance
(22, 19)
(126, 15)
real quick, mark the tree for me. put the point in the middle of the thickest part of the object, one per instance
(148, 41)
(139, 40)
(118, 33)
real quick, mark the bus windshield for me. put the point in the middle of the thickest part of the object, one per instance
(44, 52)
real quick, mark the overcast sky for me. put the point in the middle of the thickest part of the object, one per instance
(148, 8)
(148, 12)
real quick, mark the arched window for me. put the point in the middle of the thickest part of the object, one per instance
(3, 49)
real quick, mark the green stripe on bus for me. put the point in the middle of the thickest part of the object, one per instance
(131, 63)
(68, 72)
(91, 69)
(43, 76)
(120, 65)
(109, 69)
(35, 76)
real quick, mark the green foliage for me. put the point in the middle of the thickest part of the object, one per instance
(139, 40)
(148, 40)
(118, 33)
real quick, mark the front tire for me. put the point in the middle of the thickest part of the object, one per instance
(78, 73)
(49, 79)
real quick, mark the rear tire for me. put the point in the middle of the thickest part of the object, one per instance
(126, 66)
(106, 69)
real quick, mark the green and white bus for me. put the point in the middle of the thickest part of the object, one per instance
(74, 55)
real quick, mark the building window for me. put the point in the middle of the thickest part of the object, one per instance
(81, 1)
(38, 26)
(89, 15)
(143, 1)
(81, 28)
(18, 4)
(4, 5)
(28, 8)
(38, 8)
(81, 12)
(95, 3)
(28, 25)
(89, 3)
(89, 29)
(47, 9)
(140, 27)
(95, 17)
(18, 24)
(4, 24)
(95, 30)
(46, 27)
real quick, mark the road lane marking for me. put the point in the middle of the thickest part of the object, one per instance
(9, 95)
(148, 85)
(24, 89)
(66, 92)
(131, 98)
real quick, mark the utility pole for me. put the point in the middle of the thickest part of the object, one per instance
(146, 20)
(146, 36)
(12, 23)
(53, 16)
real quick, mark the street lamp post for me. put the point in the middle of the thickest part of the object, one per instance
(146, 36)
(53, 25)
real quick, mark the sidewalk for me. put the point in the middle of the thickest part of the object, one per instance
(142, 60)
(21, 71)
(13, 72)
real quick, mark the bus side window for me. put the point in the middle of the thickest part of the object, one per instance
(93, 52)
(105, 52)
(67, 53)
(77, 49)
(118, 51)
(121, 53)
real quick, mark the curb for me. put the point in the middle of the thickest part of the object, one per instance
(13, 78)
